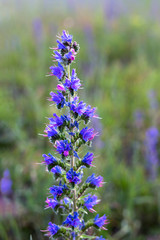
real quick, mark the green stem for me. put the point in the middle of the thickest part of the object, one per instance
(72, 158)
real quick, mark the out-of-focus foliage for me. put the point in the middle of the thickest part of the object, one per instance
(119, 64)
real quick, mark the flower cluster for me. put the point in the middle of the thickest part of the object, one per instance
(68, 134)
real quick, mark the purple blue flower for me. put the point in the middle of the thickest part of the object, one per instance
(6, 183)
(99, 222)
(100, 238)
(56, 191)
(73, 176)
(87, 134)
(66, 37)
(70, 56)
(52, 229)
(57, 170)
(59, 121)
(73, 84)
(72, 221)
(49, 159)
(51, 203)
(76, 154)
(57, 71)
(74, 235)
(89, 112)
(88, 159)
(58, 57)
(61, 45)
(51, 132)
(58, 98)
(56, 121)
(90, 201)
(65, 201)
(63, 147)
(95, 181)
(78, 108)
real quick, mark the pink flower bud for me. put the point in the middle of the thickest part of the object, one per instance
(60, 87)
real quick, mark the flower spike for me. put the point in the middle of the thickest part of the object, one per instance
(67, 133)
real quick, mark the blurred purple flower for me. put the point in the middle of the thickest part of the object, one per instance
(6, 183)
(154, 10)
(138, 118)
(152, 137)
(112, 9)
(91, 50)
(37, 29)
(153, 99)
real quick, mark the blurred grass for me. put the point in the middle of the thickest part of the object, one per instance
(118, 63)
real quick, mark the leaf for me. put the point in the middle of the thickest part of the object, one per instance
(3, 232)
(82, 210)
(88, 237)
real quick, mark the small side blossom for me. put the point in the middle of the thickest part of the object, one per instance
(65, 201)
(95, 181)
(72, 221)
(52, 229)
(61, 87)
(63, 147)
(58, 98)
(51, 203)
(87, 134)
(99, 222)
(89, 113)
(88, 159)
(57, 71)
(76, 154)
(70, 56)
(73, 176)
(51, 132)
(56, 121)
(63, 120)
(58, 57)
(61, 45)
(57, 191)
(57, 170)
(90, 201)
(77, 108)
(73, 84)
(66, 37)
(49, 159)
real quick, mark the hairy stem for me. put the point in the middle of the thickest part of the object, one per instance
(72, 159)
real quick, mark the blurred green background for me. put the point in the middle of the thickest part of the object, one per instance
(119, 65)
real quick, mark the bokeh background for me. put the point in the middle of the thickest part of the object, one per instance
(119, 65)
